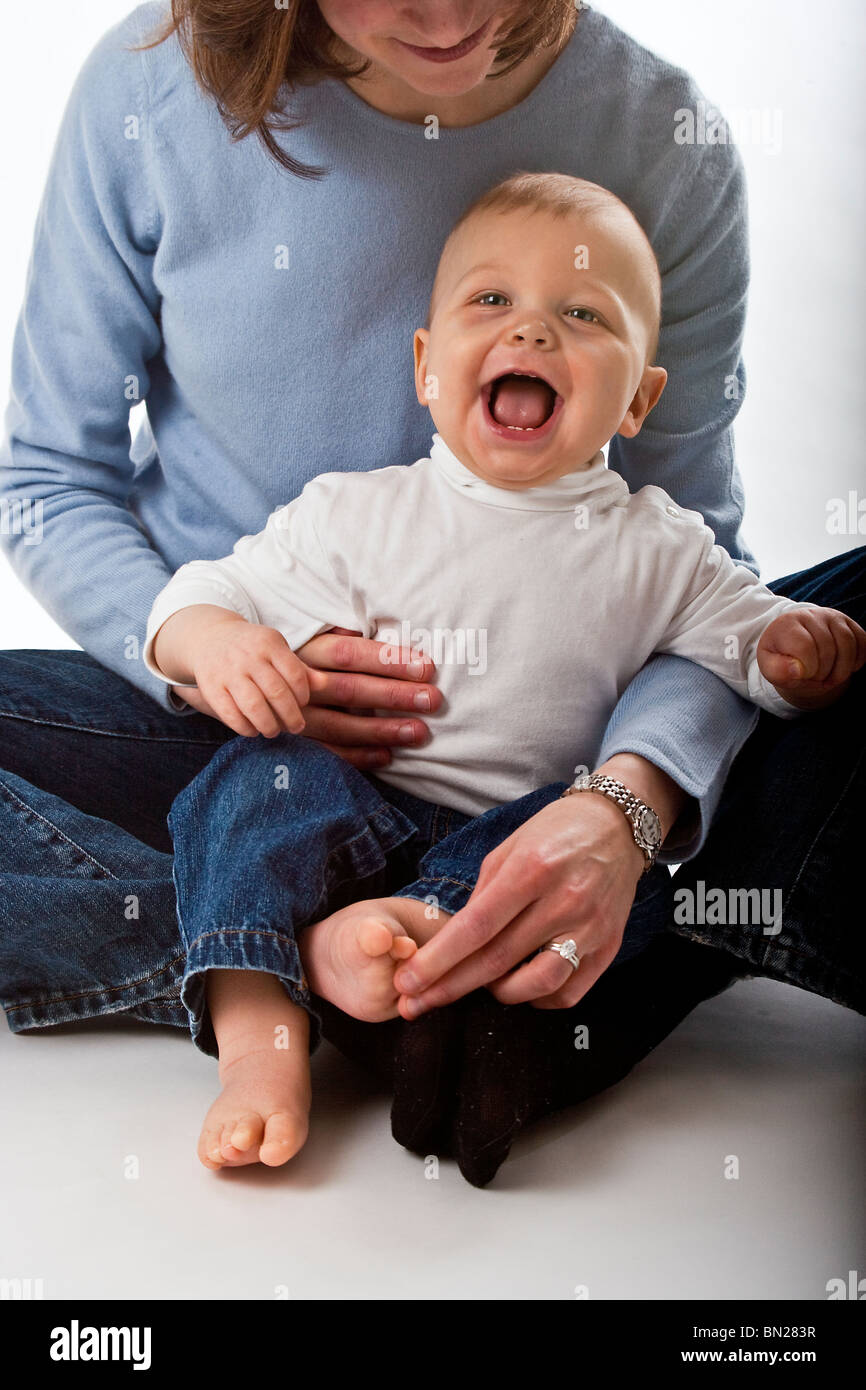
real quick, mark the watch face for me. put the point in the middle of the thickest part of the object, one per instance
(650, 828)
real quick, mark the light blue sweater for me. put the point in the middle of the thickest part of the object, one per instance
(267, 321)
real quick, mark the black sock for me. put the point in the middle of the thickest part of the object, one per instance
(520, 1065)
(417, 1061)
(425, 1078)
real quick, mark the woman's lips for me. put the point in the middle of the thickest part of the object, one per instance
(448, 55)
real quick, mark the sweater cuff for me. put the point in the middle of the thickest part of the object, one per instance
(691, 725)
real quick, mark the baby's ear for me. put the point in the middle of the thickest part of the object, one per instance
(422, 338)
(652, 383)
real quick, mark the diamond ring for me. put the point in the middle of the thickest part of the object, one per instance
(566, 949)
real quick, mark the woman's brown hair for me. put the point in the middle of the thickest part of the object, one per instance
(249, 55)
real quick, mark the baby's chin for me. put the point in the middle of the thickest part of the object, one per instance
(520, 464)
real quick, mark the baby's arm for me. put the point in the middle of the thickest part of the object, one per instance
(728, 621)
(810, 655)
(230, 626)
(247, 672)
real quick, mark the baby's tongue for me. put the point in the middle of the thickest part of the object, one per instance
(521, 400)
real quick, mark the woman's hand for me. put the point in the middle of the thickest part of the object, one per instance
(352, 680)
(361, 675)
(570, 872)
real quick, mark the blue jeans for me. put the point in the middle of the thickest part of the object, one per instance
(89, 920)
(276, 833)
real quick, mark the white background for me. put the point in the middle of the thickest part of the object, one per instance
(798, 432)
(626, 1196)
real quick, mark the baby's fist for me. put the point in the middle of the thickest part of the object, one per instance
(810, 655)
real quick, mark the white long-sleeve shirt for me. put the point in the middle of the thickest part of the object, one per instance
(537, 606)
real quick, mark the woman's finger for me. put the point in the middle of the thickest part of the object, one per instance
(481, 923)
(592, 967)
(366, 759)
(355, 690)
(543, 975)
(338, 651)
(333, 726)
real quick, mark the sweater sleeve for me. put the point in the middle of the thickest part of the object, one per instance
(282, 577)
(88, 328)
(677, 715)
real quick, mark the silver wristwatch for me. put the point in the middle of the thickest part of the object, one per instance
(645, 824)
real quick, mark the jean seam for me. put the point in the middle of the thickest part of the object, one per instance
(86, 993)
(21, 803)
(106, 733)
(443, 878)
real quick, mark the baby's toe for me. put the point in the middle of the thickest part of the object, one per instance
(229, 1151)
(284, 1134)
(247, 1132)
(402, 947)
(209, 1151)
(374, 938)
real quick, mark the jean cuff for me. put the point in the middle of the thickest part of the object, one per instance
(235, 948)
(449, 894)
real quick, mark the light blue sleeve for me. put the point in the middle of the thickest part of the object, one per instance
(679, 716)
(86, 332)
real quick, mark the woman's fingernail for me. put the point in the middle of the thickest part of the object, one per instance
(406, 733)
(422, 699)
(414, 1007)
(377, 759)
(415, 669)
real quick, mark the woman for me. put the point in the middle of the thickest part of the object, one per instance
(260, 292)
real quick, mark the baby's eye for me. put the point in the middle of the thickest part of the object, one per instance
(592, 316)
(489, 294)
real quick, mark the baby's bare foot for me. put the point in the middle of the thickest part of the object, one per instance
(350, 957)
(260, 1116)
(262, 1113)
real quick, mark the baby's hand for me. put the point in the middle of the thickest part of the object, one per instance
(810, 655)
(251, 678)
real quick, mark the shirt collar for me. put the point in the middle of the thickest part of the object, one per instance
(597, 485)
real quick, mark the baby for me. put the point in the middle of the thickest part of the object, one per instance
(510, 554)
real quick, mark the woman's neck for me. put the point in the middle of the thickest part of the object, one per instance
(389, 94)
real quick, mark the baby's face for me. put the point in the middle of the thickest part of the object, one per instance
(565, 302)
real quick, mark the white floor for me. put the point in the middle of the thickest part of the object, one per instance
(625, 1197)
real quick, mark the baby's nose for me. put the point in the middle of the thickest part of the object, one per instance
(534, 331)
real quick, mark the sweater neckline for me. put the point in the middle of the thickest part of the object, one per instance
(363, 110)
(595, 486)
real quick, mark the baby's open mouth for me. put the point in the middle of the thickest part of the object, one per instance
(520, 401)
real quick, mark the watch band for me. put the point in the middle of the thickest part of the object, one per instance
(645, 824)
